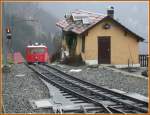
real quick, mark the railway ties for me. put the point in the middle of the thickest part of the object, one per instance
(71, 92)
(110, 101)
(98, 88)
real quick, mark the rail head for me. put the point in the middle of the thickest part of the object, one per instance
(75, 93)
(104, 88)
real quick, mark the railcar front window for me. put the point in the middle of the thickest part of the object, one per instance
(37, 50)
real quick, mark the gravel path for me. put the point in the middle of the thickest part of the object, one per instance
(108, 78)
(19, 87)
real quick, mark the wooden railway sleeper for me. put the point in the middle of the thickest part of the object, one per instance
(95, 86)
(93, 100)
(119, 101)
(110, 98)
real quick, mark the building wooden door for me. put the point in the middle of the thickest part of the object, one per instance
(104, 51)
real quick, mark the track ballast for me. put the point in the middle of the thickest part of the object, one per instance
(100, 99)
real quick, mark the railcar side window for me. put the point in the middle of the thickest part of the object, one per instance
(37, 50)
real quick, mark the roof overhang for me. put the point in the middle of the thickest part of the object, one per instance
(139, 38)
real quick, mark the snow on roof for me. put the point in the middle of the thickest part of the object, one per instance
(81, 20)
(89, 12)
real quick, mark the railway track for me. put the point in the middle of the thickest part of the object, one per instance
(103, 100)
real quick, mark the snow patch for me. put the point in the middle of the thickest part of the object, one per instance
(75, 70)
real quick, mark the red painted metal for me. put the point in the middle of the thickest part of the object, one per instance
(37, 54)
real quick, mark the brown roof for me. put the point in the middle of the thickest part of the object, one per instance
(81, 21)
(76, 25)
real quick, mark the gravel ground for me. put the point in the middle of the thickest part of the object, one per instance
(108, 78)
(18, 90)
(22, 85)
(137, 71)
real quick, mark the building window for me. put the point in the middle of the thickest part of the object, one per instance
(83, 44)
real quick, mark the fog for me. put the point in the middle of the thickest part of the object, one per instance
(133, 15)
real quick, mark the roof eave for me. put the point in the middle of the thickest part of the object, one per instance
(108, 17)
(137, 36)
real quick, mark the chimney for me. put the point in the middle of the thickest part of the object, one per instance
(110, 12)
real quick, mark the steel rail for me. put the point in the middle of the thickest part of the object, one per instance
(70, 91)
(140, 109)
(127, 108)
(98, 87)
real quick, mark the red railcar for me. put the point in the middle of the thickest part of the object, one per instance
(37, 54)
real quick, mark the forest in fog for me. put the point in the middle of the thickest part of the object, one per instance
(29, 24)
(36, 22)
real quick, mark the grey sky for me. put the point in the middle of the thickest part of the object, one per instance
(133, 15)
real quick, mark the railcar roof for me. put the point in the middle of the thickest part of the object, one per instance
(36, 46)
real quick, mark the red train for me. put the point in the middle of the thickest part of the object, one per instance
(36, 54)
